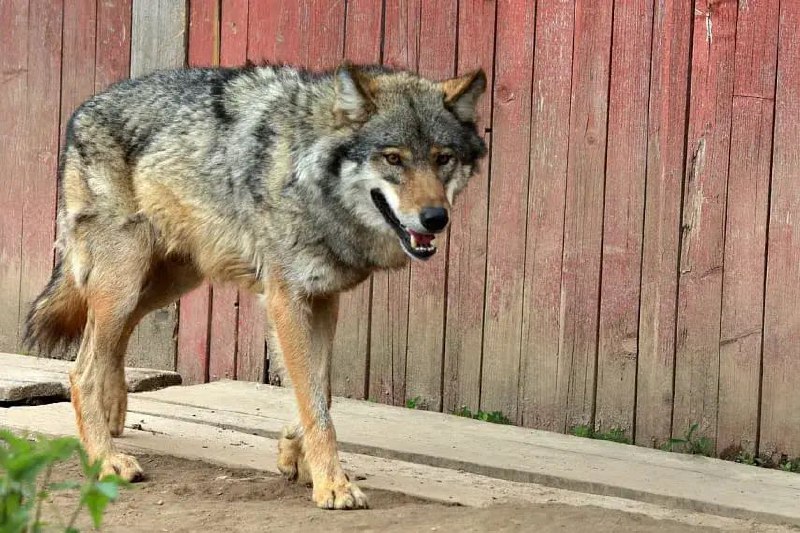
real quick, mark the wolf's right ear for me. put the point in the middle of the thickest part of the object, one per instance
(355, 92)
(461, 94)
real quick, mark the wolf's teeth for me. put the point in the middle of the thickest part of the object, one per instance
(413, 241)
(433, 243)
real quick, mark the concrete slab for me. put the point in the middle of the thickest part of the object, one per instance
(26, 378)
(192, 440)
(504, 452)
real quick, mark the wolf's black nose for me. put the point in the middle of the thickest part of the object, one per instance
(433, 218)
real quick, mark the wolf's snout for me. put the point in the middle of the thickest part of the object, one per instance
(433, 218)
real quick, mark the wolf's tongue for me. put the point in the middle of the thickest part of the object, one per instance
(422, 239)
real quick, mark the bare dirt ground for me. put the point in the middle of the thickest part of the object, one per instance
(182, 495)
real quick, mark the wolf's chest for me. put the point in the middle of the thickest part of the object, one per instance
(319, 274)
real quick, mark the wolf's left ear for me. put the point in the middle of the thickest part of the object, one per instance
(461, 94)
(355, 92)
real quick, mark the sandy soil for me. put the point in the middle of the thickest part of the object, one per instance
(182, 495)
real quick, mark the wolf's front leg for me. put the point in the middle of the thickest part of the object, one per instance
(304, 329)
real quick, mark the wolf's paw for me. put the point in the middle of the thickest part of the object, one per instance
(291, 459)
(123, 465)
(339, 495)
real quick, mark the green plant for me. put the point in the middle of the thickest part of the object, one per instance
(790, 465)
(415, 403)
(690, 443)
(495, 417)
(747, 458)
(25, 469)
(613, 434)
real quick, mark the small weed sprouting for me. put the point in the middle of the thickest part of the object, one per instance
(612, 435)
(415, 403)
(582, 431)
(690, 444)
(790, 465)
(25, 469)
(495, 417)
(747, 458)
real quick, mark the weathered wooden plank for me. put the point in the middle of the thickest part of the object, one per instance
(274, 35)
(466, 270)
(541, 400)
(780, 401)
(389, 320)
(204, 32)
(746, 226)
(583, 216)
(79, 34)
(251, 338)
(702, 241)
(508, 202)
(350, 366)
(77, 56)
(158, 40)
(251, 354)
(204, 50)
(158, 36)
(324, 23)
(666, 136)
(233, 32)
(263, 22)
(193, 335)
(41, 138)
(14, 18)
(113, 57)
(427, 292)
(194, 321)
(626, 170)
(227, 300)
(273, 31)
(324, 48)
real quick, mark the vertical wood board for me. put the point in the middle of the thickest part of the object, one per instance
(746, 227)
(666, 137)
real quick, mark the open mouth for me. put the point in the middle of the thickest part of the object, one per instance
(417, 245)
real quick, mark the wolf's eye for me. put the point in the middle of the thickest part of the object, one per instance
(443, 159)
(392, 158)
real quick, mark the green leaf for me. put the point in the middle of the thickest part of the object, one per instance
(64, 485)
(96, 503)
(109, 488)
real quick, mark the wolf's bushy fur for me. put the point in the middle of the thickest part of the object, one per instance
(294, 183)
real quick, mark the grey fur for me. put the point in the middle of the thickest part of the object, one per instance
(294, 184)
(214, 135)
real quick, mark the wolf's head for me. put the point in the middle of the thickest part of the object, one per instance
(412, 148)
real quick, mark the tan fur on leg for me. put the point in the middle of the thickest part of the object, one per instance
(304, 328)
(115, 398)
(167, 281)
(87, 381)
(291, 458)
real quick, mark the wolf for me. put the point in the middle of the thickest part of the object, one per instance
(296, 185)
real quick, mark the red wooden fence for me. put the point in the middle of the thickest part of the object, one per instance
(628, 257)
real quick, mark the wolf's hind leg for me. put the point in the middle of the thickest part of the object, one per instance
(167, 281)
(120, 257)
(93, 384)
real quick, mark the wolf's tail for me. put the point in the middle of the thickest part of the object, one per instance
(58, 315)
